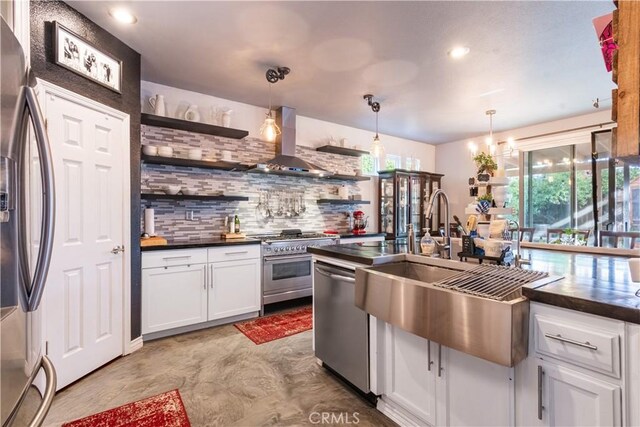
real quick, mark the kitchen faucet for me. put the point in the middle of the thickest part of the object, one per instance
(444, 248)
(519, 262)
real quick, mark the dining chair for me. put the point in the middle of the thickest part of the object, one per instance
(615, 236)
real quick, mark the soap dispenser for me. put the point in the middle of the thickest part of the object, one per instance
(427, 244)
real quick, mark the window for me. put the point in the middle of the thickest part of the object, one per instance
(392, 161)
(369, 164)
(559, 185)
(412, 163)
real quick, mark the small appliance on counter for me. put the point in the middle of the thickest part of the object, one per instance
(359, 223)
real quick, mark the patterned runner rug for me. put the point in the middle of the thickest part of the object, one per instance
(163, 410)
(269, 328)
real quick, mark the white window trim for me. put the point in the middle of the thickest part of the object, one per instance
(558, 140)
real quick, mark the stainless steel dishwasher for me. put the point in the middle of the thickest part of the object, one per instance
(341, 329)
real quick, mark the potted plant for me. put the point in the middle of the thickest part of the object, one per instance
(486, 165)
(484, 204)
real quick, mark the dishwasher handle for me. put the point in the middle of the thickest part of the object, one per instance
(350, 279)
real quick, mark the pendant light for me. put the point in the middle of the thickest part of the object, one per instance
(377, 149)
(269, 129)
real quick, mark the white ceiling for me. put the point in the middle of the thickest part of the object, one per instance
(531, 61)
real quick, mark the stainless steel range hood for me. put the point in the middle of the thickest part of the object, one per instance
(285, 162)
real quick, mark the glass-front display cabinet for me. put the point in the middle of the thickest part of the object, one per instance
(403, 197)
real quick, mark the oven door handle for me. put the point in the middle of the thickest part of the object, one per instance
(270, 259)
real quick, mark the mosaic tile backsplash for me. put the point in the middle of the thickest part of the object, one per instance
(208, 216)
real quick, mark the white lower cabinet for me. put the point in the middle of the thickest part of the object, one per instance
(423, 383)
(409, 373)
(572, 376)
(571, 398)
(173, 296)
(176, 294)
(232, 288)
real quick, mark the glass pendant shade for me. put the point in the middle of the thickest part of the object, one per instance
(269, 130)
(377, 149)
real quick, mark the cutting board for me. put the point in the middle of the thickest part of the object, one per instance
(153, 241)
(231, 236)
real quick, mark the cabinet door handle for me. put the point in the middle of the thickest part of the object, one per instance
(559, 337)
(429, 361)
(206, 277)
(176, 257)
(439, 360)
(540, 407)
(211, 275)
(236, 253)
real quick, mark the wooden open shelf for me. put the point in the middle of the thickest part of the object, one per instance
(204, 164)
(342, 150)
(342, 202)
(349, 177)
(222, 198)
(197, 127)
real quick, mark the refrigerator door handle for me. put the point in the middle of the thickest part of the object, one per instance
(48, 198)
(49, 392)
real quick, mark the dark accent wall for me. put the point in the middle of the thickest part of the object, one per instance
(43, 13)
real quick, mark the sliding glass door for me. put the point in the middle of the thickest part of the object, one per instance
(579, 187)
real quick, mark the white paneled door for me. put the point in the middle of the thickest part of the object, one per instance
(85, 291)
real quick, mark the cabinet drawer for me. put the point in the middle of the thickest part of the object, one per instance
(581, 344)
(233, 252)
(174, 257)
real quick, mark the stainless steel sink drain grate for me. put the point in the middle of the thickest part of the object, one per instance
(490, 281)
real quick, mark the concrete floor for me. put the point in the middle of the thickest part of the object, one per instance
(224, 379)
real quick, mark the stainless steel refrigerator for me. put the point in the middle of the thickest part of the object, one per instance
(22, 284)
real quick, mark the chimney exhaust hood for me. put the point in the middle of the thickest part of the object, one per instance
(285, 162)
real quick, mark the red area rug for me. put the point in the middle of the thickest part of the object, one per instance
(277, 326)
(163, 410)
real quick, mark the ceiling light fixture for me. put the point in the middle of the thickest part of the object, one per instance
(377, 149)
(458, 52)
(269, 129)
(123, 16)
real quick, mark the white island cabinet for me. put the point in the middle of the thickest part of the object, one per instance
(582, 370)
(187, 289)
(421, 382)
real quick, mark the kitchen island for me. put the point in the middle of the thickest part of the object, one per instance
(581, 333)
(596, 284)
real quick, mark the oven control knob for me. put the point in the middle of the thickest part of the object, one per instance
(303, 248)
(277, 250)
(298, 247)
(287, 248)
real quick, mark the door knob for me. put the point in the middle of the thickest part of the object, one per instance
(117, 250)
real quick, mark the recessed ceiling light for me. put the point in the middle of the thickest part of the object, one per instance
(122, 15)
(458, 52)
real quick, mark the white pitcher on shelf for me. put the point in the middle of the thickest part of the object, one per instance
(226, 118)
(157, 103)
(192, 114)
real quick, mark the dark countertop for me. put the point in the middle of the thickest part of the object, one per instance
(199, 243)
(348, 235)
(368, 253)
(595, 284)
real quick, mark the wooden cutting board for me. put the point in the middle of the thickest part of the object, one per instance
(153, 241)
(230, 236)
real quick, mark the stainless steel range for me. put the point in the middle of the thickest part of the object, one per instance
(287, 266)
